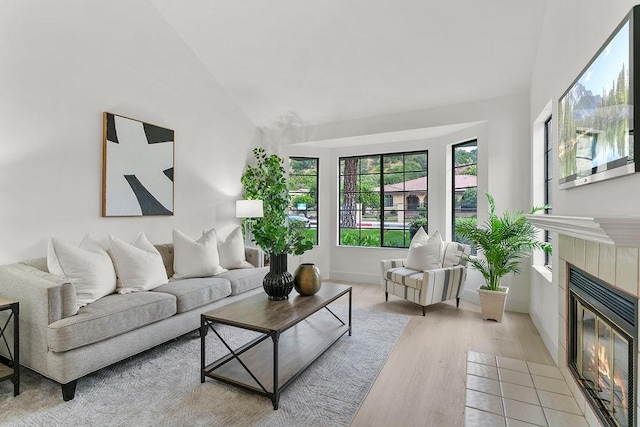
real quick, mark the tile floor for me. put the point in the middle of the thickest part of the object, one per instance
(514, 393)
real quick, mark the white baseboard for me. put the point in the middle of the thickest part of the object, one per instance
(519, 306)
(552, 347)
(470, 296)
(373, 279)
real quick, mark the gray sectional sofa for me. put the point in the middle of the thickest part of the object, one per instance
(64, 343)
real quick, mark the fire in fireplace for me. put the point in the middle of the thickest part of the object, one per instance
(602, 348)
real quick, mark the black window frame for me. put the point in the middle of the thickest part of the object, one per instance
(454, 168)
(548, 181)
(317, 194)
(382, 207)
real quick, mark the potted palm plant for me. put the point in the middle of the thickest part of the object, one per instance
(502, 242)
(273, 233)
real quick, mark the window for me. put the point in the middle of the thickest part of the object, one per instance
(383, 199)
(465, 185)
(303, 188)
(548, 148)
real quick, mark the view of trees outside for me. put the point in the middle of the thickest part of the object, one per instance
(465, 184)
(380, 197)
(594, 114)
(303, 188)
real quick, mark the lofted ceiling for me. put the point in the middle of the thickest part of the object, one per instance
(335, 60)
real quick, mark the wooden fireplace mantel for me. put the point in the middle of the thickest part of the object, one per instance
(622, 231)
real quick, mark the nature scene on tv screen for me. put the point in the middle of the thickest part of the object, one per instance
(595, 115)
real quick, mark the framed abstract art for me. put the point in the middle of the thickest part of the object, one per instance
(137, 168)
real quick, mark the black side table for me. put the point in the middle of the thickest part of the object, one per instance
(10, 367)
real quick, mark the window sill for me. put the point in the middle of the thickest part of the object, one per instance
(544, 272)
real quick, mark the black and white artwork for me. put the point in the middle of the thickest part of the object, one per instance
(137, 171)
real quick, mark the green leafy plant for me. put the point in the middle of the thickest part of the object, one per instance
(502, 242)
(415, 225)
(273, 232)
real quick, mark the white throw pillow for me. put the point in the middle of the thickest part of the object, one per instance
(424, 251)
(452, 253)
(139, 265)
(88, 268)
(231, 251)
(195, 258)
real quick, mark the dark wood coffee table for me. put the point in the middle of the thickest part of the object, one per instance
(268, 366)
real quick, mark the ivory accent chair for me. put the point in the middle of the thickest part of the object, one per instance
(428, 286)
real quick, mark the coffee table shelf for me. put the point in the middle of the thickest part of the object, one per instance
(292, 337)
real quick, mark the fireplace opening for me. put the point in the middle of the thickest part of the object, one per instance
(602, 347)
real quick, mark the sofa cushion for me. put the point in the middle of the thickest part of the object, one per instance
(195, 258)
(231, 251)
(244, 279)
(88, 268)
(405, 276)
(109, 316)
(196, 292)
(138, 265)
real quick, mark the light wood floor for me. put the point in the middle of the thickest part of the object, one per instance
(423, 381)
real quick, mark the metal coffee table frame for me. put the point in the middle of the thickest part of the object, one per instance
(322, 337)
(10, 367)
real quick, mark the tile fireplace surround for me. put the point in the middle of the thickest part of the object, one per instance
(606, 248)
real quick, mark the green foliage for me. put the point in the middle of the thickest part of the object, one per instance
(311, 234)
(470, 197)
(469, 170)
(466, 157)
(503, 241)
(370, 199)
(470, 222)
(609, 120)
(351, 237)
(396, 239)
(415, 225)
(371, 237)
(303, 181)
(303, 165)
(304, 198)
(267, 182)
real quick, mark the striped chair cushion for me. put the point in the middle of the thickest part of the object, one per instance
(452, 254)
(406, 276)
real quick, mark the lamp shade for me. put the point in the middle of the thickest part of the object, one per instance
(249, 209)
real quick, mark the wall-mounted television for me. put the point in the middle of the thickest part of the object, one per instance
(596, 114)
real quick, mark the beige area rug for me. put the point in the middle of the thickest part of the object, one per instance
(161, 387)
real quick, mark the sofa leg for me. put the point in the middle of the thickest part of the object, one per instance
(386, 296)
(458, 302)
(69, 390)
(423, 307)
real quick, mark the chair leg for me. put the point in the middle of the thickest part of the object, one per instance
(458, 302)
(423, 307)
(386, 296)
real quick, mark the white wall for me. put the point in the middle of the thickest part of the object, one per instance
(572, 32)
(502, 130)
(63, 64)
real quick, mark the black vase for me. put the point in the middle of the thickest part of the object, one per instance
(278, 282)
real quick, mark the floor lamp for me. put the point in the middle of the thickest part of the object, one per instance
(247, 209)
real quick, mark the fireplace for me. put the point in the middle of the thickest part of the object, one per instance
(602, 346)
